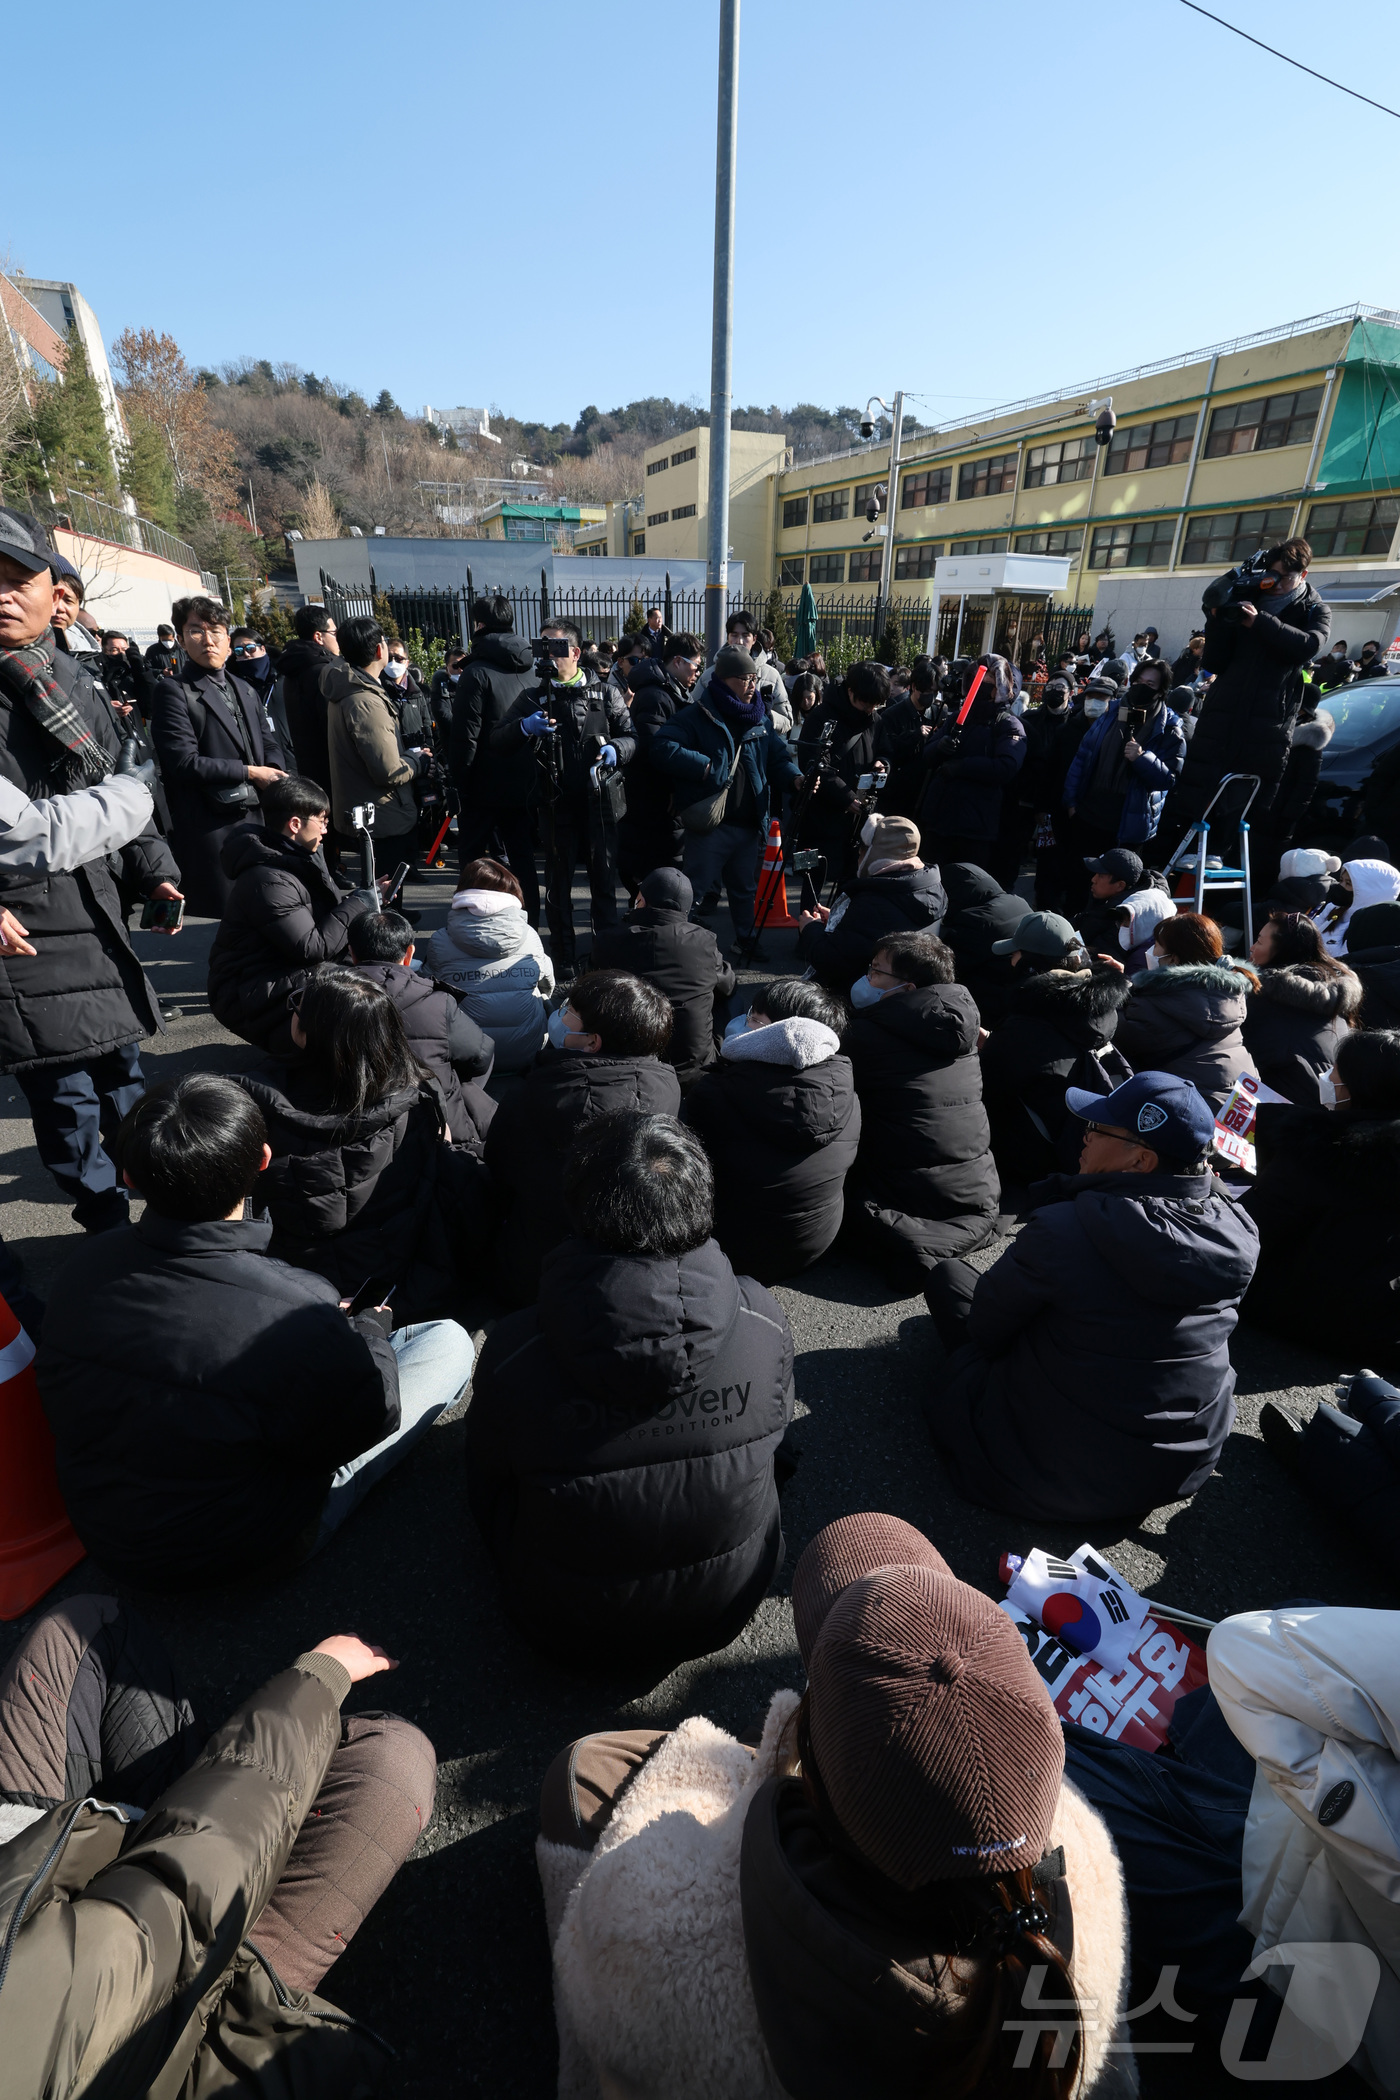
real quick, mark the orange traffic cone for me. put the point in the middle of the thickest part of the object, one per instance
(770, 909)
(37, 1542)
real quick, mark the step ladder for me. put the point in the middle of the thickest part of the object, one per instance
(1197, 839)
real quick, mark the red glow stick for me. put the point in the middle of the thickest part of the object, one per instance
(965, 709)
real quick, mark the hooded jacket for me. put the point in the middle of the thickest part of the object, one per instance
(1372, 882)
(780, 1120)
(1188, 1018)
(1060, 1026)
(1314, 1696)
(1329, 1245)
(966, 779)
(655, 700)
(698, 752)
(620, 1447)
(1245, 724)
(980, 912)
(368, 761)
(286, 913)
(667, 949)
(201, 1395)
(924, 1185)
(492, 958)
(1151, 775)
(530, 1134)
(1292, 1026)
(899, 899)
(856, 740)
(457, 1053)
(128, 1967)
(374, 1194)
(1373, 953)
(499, 671)
(1147, 909)
(1097, 1379)
(709, 1888)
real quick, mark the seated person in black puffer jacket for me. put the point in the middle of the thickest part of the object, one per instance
(363, 1182)
(980, 913)
(621, 1436)
(924, 1186)
(1058, 1031)
(891, 892)
(440, 1033)
(658, 940)
(285, 914)
(780, 1120)
(607, 1043)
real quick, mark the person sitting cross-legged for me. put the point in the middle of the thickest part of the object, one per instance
(1090, 1373)
(215, 1413)
(622, 1432)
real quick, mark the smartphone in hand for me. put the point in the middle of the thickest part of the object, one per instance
(163, 915)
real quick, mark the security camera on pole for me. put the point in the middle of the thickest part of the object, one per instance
(890, 493)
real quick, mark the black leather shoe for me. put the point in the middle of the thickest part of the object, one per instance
(1283, 1436)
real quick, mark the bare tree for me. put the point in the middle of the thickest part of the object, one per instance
(320, 520)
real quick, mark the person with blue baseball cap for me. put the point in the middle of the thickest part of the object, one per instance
(1088, 1371)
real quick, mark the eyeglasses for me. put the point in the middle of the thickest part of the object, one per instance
(1102, 1130)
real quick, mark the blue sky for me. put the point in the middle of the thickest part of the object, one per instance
(514, 203)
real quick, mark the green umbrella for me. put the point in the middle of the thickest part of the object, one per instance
(806, 642)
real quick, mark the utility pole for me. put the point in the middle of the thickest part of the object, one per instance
(891, 505)
(722, 343)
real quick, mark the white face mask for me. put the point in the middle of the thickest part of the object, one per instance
(1155, 958)
(1327, 1090)
(395, 668)
(1094, 708)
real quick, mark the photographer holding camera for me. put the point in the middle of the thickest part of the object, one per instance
(1264, 622)
(1128, 761)
(583, 736)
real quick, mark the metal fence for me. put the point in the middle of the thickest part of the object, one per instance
(598, 613)
(97, 520)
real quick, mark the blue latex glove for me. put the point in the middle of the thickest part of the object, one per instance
(608, 755)
(538, 724)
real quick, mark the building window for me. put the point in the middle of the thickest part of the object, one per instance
(995, 545)
(1067, 542)
(910, 562)
(829, 505)
(1146, 546)
(684, 510)
(827, 568)
(524, 529)
(1260, 426)
(678, 459)
(865, 566)
(1363, 527)
(1072, 459)
(1163, 444)
(794, 512)
(658, 466)
(790, 569)
(657, 517)
(987, 477)
(597, 549)
(639, 543)
(932, 485)
(1233, 535)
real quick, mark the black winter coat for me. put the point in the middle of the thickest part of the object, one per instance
(857, 740)
(286, 913)
(908, 901)
(620, 1445)
(1097, 1381)
(1378, 971)
(1059, 1026)
(901, 745)
(781, 1141)
(529, 1136)
(83, 992)
(300, 667)
(201, 1395)
(655, 699)
(1292, 1026)
(963, 792)
(587, 715)
(682, 960)
(924, 1186)
(1246, 720)
(198, 758)
(979, 912)
(1329, 1234)
(374, 1194)
(498, 671)
(1188, 1019)
(446, 1039)
(1042, 776)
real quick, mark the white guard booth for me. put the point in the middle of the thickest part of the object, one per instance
(964, 576)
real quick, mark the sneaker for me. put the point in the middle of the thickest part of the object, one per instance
(1283, 1436)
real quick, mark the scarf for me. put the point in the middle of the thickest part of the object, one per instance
(27, 675)
(739, 714)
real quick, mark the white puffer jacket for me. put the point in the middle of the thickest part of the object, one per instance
(492, 957)
(1313, 1694)
(651, 1982)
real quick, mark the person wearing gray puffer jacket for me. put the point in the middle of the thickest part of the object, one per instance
(1188, 1019)
(490, 955)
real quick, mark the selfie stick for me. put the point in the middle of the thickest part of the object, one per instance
(966, 707)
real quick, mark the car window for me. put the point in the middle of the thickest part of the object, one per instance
(1363, 714)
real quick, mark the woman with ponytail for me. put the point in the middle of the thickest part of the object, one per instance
(897, 1894)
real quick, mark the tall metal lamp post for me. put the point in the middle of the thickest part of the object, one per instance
(895, 412)
(722, 344)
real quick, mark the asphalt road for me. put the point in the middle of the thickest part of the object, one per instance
(452, 1967)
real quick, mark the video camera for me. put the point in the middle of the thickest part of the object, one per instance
(1228, 593)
